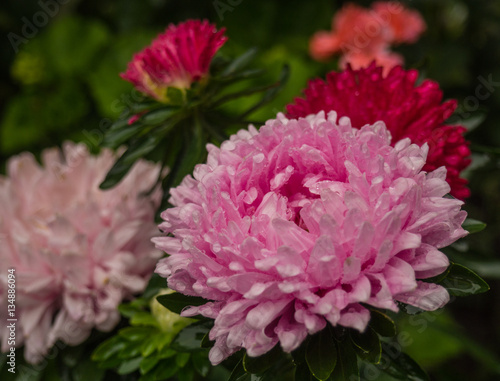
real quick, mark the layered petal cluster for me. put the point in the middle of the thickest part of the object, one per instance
(305, 222)
(364, 35)
(77, 251)
(409, 111)
(176, 58)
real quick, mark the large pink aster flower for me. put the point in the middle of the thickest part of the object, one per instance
(409, 111)
(302, 223)
(77, 251)
(176, 58)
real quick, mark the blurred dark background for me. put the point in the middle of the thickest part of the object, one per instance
(59, 67)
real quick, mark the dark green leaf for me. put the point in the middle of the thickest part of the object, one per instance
(239, 62)
(321, 354)
(137, 333)
(201, 363)
(399, 365)
(144, 318)
(165, 369)
(87, 370)
(206, 343)
(129, 366)
(121, 167)
(182, 359)
(189, 339)
(238, 373)
(303, 373)
(270, 94)
(148, 363)
(186, 374)
(382, 324)
(282, 370)
(367, 345)
(108, 348)
(127, 310)
(176, 302)
(262, 363)
(473, 226)
(347, 362)
(115, 139)
(462, 281)
(156, 117)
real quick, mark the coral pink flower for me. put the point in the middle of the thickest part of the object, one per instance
(409, 111)
(176, 58)
(405, 25)
(306, 222)
(362, 35)
(77, 251)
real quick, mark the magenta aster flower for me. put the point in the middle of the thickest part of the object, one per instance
(409, 111)
(77, 251)
(176, 58)
(302, 223)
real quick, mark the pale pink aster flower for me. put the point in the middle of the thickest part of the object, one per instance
(77, 251)
(302, 223)
(176, 58)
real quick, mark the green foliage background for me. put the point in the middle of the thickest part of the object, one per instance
(63, 84)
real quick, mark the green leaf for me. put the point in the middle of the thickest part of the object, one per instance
(186, 374)
(108, 348)
(148, 363)
(206, 342)
(176, 302)
(462, 281)
(175, 96)
(189, 339)
(137, 333)
(201, 363)
(87, 370)
(114, 138)
(240, 62)
(270, 94)
(156, 117)
(144, 318)
(182, 359)
(128, 310)
(382, 324)
(347, 362)
(473, 122)
(399, 365)
(129, 366)
(303, 373)
(121, 167)
(165, 370)
(473, 226)
(262, 363)
(367, 345)
(321, 354)
(238, 373)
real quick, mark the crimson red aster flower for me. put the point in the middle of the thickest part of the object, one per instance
(177, 58)
(409, 111)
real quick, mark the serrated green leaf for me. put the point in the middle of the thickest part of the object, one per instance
(262, 363)
(129, 366)
(461, 281)
(347, 362)
(189, 338)
(121, 167)
(473, 226)
(321, 354)
(399, 365)
(382, 324)
(176, 302)
(367, 345)
(109, 348)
